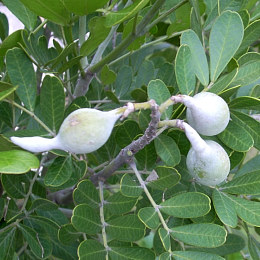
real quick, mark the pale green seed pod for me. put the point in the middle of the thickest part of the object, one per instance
(83, 131)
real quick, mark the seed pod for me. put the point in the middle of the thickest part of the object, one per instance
(206, 161)
(207, 113)
(83, 131)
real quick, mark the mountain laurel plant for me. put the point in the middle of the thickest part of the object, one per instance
(136, 197)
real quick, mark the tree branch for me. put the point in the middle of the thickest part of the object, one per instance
(127, 153)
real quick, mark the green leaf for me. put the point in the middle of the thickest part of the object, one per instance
(126, 133)
(130, 253)
(250, 166)
(53, 10)
(251, 125)
(225, 38)
(27, 17)
(79, 170)
(7, 240)
(234, 243)
(166, 73)
(43, 204)
(6, 89)
(168, 150)
(21, 73)
(149, 217)
(181, 19)
(165, 238)
(251, 35)
(86, 219)
(245, 103)
(123, 81)
(236, 137)
(118, 204)
(68, 234)
(230, 5)
(145, 74)
(17, 162)
(13, 40)
(4, 27)
(158, 91)
(225, 208)
(125, 228)
(91, 249)
(107, 76)
(184, 70)
(52, 102)
(203, 235)
(223, 82)
(59, 172)
(190, 255)
(186, 205)
(246, 184)
(146, 157)
(114, 18)
(198, 56)
(83, 7)
(247, 73)
(165, 256)
(130, 187)
(15, 185)
(32, 238)
(248, 211)
(98, 33)
(86, 192)
(167, 178)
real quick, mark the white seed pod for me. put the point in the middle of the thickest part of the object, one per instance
(207, 113)
(207, 162)
(83, 131)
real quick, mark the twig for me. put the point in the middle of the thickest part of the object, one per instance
(102, 218)
(127, 153)
(149, 196)
(115, 53)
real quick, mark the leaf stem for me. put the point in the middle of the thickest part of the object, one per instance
(37, 119)
(102, 217)
(82, 33)
(32, 181)
(149, 196)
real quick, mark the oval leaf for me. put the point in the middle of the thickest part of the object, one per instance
(91, 249)
(225, 38)
(52, 102)
(158, 91)
(236, 137)
(225, 208)
(86, 192)
(203, 235)
(17, 162)
(247, 184)
(85, 219)
(130, 186)
(59, 172)
(125, 228)
(184, 70)
(187, 205)
(53, 10)
(198, 55)
(149, 217)
(168, 150)
(21, 73)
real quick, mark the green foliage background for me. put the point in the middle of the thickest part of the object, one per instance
(136, 51)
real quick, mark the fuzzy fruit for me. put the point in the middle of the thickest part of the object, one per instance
(207, 113)
(207, 162)
(83, 131)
